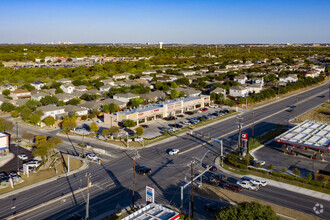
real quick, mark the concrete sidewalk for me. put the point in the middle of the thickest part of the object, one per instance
(5, 159)
(292, 188)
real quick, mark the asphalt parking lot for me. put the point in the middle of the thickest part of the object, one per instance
(12, 165)
(273, 154)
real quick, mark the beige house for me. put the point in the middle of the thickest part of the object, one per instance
(20, 94)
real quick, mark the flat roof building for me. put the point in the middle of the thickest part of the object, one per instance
(154, 211)
(157, 110)
(308, 134)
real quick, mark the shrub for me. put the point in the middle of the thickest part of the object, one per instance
(283, 170)
(270, 166)
(296, 171)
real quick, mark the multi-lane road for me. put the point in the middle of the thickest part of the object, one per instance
(112, 181)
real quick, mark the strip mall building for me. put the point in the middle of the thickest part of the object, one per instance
(157, 110)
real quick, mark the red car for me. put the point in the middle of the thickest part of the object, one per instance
(204, 109)
(233, 187)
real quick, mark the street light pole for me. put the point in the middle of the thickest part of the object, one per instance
(87, 200)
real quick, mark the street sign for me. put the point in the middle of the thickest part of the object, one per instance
(244, 136)
(150, 195)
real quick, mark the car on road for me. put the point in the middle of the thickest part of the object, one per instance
(259, 182)
(3, 177)
(143, 170)
(173, 151)
(211, 207)
(248, 185)
(175, 125)
(34, 163)
(232, 186)
(220, 177)
(22, 156)
(145, 126)
(92, 156)
(212, 168)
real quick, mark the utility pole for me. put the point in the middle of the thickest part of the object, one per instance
(136, 156)
(253, 124)
(239, 124)
(87, 200)
(192, 189)
(127, 139)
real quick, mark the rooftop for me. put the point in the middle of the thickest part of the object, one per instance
(309, 133)
(153, 211)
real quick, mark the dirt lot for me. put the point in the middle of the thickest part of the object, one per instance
(320, 114)
(233, 197)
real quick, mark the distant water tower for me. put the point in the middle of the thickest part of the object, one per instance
(160, 45)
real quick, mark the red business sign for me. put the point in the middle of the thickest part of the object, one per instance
(244, 135)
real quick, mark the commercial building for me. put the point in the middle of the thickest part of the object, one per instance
(4, 144)
(157, 110)
(310, 134)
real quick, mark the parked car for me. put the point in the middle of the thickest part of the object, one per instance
(145, 126)
(176, 125)
(212, 168)
(14, 175)
(34, 163)
(22, 156)
(173, 151)
(92, 156)
(189, 113)
(143, 170)
(248, 185)
(259, 182)
(234, 187)
(3, 177)
(211, 207)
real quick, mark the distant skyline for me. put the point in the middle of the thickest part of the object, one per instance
(180, 21)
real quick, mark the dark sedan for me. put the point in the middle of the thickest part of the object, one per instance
(143, 170)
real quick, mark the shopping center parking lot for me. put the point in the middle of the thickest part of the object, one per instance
(158, 127)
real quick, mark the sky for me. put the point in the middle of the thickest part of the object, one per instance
(168, 21)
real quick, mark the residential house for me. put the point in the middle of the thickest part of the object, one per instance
(49, 91)
(64, 81)
(241, 79)
(148, 78)
(56, 112)
(8, 86)
(37, 84)
(257, 80)
(20, 94)
(173, 78)
(140, 81)
(118, 76)
(254, 88)
(18, 102)
(105, 88)
(164, 79)
(127, 75)
(80, 88)
(67, 88)
(91, 105)
(311, 73)
(114, 101)
(154, 96)
(188, 72)
(289, 79)
(108, 81)
(221, 71)
(72, 109)
(189, 91)
(93, 92)
(65, 97)
(125, 97)
(219, 91)
(238, 91)
(38, 96)
(148, 72)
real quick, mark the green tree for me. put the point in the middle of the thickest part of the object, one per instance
(6, 92)
(49, 100)
(14, 114)
(75, 101)
(49, 120)
(110, 108)
(105, 132)
(59, 90)
(135, 102)
(35, 118)
(174, 85)
(114, 130)
(246, 210)
(28, 136)
(7, 107)
(69, 124)
(5, 125)
(129, 123)
(93, 127)
(174, 94)
(309, 177)
(25, 113)
(32, 104)
(39, 139)
(54, 142)
(283, 169)
(139, 131)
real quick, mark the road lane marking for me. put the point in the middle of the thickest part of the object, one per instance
(248, 125)
(46, 203)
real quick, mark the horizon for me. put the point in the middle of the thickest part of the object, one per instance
(185, 22)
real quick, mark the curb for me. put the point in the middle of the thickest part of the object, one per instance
(84, 166)
(296, 189)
